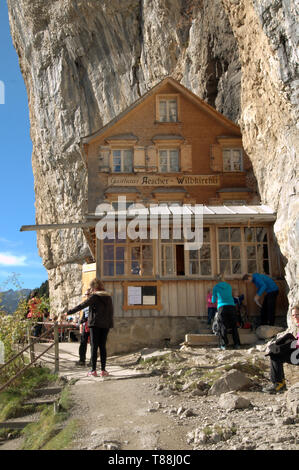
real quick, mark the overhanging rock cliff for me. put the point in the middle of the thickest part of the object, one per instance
(85, 61)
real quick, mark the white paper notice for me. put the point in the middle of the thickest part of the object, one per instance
(149, 300)
(134, 295)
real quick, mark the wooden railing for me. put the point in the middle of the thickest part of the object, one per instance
(32, 340)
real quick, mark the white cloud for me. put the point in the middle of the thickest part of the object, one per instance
(8, 259)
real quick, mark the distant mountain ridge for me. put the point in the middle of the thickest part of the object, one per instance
(10, 299)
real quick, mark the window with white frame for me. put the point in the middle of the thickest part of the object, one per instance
(127, 258)
(257, 252)
(169, 160)
(232, 159)
(243, 249)
(168, 110)
(176, 261)
(122, 161)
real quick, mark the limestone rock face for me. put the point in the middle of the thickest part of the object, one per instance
(85, 61)
(266, 34)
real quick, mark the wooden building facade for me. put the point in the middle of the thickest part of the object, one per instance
(171, 148)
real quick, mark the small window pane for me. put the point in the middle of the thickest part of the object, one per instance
(249, 235)
(251, 253)
(128, 161)
(120, 267)
(224, 251)
(108, 252)
(235, 235)
(236, 253)
(193, 255)
(236, 267)
(225, 267)
(252, 267)
(109, 268)
(162, 110)
(174, 160)
(223, 234)
(173, 110)
(147, 251)
(120, 253)
(205, 252)
(206, 235)
(147, 267)
(205, 267)
(194, 267)
(261, 234)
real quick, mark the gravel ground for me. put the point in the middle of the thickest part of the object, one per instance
(173, 409)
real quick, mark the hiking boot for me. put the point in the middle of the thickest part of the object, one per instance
(80, 363)
(92, 373)
(223, 348)
(104, 373)
(276, 387)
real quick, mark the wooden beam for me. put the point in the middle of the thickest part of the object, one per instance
(31, 228)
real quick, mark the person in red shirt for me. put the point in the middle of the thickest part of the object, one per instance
(212, 307)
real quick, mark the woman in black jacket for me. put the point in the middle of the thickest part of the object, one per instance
(100, 320)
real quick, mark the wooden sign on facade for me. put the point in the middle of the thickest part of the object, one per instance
(160, 180)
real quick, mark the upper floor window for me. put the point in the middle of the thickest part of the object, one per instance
(168, 160)
(122, 161)
(168, 110)
(232, 159)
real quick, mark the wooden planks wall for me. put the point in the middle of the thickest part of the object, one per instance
(188, 297)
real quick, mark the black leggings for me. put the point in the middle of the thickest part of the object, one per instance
(98, 339)
(228, 321)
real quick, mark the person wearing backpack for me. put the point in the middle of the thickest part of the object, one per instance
(100, 320)
(226, 313)
(284, 349)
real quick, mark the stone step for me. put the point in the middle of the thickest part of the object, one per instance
(41, 401)
(246, 337)
(47, 391)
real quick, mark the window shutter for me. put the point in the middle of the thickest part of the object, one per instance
(139, 159)
(104, 155)
(216, 158)
(152, 159)
(186, 157)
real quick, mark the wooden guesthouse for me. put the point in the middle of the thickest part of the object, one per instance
(170, 147)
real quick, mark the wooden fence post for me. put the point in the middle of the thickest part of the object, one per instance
(31, 344)
(56, 347)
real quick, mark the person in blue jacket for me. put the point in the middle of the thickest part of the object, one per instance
(264, 284)
(227, 315)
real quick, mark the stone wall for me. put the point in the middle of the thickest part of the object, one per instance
(85, 61)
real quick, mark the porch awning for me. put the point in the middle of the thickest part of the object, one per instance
(259, 213)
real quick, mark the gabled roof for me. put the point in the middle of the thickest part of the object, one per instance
(181, 89)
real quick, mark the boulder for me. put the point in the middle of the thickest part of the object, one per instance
(232, 401)
(233, 380)
(267, 331)
(292, 399)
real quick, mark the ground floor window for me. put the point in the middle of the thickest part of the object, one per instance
(231, 250)
(243, 249)
(176, 261)
(127, 258)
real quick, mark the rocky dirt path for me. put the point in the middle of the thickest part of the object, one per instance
(177, 407)
(182, 399)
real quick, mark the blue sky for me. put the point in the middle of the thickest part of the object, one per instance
(18, 250)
